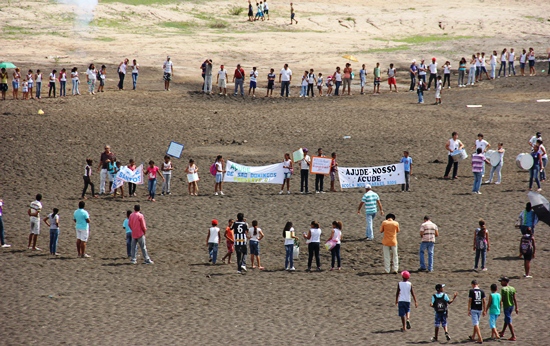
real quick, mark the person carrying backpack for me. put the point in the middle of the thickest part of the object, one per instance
(481, 245)
(440, 303)
(527, 249)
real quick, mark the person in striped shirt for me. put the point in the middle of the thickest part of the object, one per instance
(240, 230)
(371, 200)
(478, 159)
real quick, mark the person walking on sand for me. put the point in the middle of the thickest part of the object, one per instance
(34, 214)
(266, 9)
(403, 300)
(527, 219)
(285, 77)
(498, 168)
(371, 200)
(481, 245)
(168, 70)
(139, 228)
(122, 73)
(221, 80)
(452, 144)
(229, 241)
(390, 228)
(250, 12)
(292, 14)
(240, 231)
(166, 169)
(493, 310)
(238, 79)
(527, 250)
(82, 225)
(152, 171)
(106, 157)
(509, 304)
(478, 162)
(476, 309)
(213, 242)
(428, 232)
(440, 303)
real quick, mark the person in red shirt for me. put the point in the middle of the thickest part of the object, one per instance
(136, 222)
(153, 172)
(230, 242)
(238, 79)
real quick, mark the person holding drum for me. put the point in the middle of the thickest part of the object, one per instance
(536, 168)
(484, 145)
(496, 169)
(454, 147)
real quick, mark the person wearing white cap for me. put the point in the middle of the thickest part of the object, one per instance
(413, 70)
(371, 200)
(168, 69)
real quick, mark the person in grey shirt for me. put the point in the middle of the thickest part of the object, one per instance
(208, 77)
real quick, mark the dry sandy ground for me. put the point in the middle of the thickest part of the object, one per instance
(181, 300)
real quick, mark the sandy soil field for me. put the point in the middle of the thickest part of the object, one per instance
(104, 300)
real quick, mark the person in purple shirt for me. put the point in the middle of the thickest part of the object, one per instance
(477, 168)
(413, 70)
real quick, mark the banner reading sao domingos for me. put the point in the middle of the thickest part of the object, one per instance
(272, 174)
(351, 177)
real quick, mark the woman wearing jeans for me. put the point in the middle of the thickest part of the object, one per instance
(52, 221)
(536, 168)
(481, 245)
(337, 77)
(472, 72)
(503, 60)
(544, 157)
(496, 169)
(461, 72)
(289, 237)
(336, 235)
(314, 239)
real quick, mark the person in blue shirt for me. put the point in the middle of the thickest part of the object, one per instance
(527, 219)
(407, 162)
(440, 303)
(128, 234)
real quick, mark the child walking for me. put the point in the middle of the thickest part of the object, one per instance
(192, 178)
(52, 220)
(229, 241)
(213, 241)
(509, 303)
(440, 303)
(403, 300)
(255, 235)
(87, 179)
(152, 171)
(219, 175)
(493, 307)
(167, 174)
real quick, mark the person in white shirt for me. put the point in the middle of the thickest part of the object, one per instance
(523, 60)
(422, 71)
(304, 171)
(447, 74)
(34, 214)
(122, 73)
(287, 170)
(75, 80)
(478, 67)
(433, 73)
(213, 241)
(493, 64)
(91, 77)
(484, 145)
(511, 58)
(483, 66)
(135, 73)
(533, 140)
(285, 77)
(472, 73)
(266, 9)
(221, 80)
(253, 79)
(168, 69)
(452, 144)
(503, 60)
(313, 240)
(544, 156)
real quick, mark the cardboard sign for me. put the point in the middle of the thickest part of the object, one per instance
(320, 165)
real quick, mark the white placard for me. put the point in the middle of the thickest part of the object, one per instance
(174, 149)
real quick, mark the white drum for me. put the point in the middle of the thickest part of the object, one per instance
(459, 154)
(493, 156)
(524, 161)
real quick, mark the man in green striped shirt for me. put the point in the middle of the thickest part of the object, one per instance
(371, 200)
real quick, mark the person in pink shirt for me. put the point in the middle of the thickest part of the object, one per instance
(136, 222)
(153, 172)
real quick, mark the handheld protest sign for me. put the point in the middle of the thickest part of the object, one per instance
(320, 165)
(298, 155)
(175, 149)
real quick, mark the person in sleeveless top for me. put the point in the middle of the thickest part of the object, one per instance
(452, 144)
(167, 174)
(192, 178)
(403, 300)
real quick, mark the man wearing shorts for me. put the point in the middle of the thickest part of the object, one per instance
(509, 304)
(476, 308)
(82, 226)
(376, 74)
(168, 69)
(270, 82)
(253, 78)
(266, 9)
(34, 215)
(391, 77)
(292, 14)
(221, 80)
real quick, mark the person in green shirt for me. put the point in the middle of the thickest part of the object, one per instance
(493, 307)
(376, 79)
(509, 304)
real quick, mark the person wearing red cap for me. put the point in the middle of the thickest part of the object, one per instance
(433, 73)
(212, 241)
(403, 300)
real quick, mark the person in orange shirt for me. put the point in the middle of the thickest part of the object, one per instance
(230, 242)
(390, 228)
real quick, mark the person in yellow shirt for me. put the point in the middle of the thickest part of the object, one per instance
(390, 228)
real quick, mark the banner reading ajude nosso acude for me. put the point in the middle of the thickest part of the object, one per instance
(351, 177)
(272, 174)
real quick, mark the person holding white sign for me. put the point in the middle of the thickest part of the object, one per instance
(287, 166)
(192, 178)
(304, 171)
(371, 200)
(319, 178)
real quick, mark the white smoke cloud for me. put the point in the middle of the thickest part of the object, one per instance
(84, 9)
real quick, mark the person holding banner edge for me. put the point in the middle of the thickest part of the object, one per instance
(371, 200)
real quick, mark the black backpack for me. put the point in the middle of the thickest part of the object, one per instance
(481, 243)
(440, 304)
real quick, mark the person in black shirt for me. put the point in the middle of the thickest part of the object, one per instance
(240, 230)
(476, 308)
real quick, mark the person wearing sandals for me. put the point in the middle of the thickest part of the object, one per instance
(336, 235)
(314, 238)
(290, 238)
(255, 234)
(476, 308)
